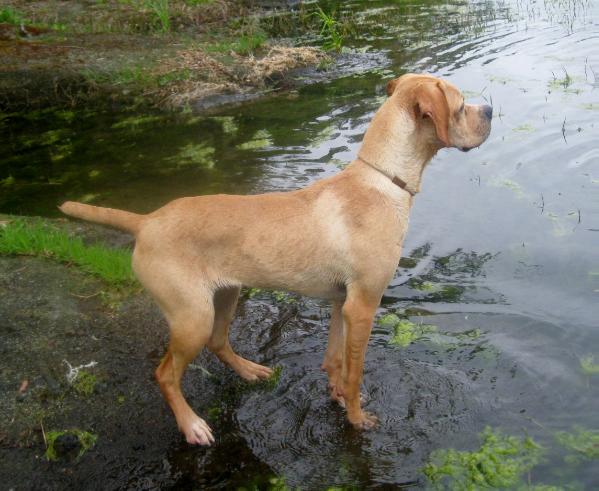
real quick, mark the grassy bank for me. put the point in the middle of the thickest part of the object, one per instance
(38, 238)
(165, 53)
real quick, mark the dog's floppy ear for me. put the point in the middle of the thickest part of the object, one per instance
(391, 86)
(431, 102)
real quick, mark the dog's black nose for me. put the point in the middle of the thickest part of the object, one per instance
(488, 112)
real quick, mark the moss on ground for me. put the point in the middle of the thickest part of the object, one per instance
(85, 439)
(85, 383)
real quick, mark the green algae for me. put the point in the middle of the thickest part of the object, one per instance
(266, 483)
(194, 155)
(524, 128)
(228, 123)
(135, 122)
(424, 286)
(469, 335)
(278, 295)
(564, 83)
(213, 412)
(584, 444)
(513, 186)
(588, 365)
(260, 139)
(436, 291)
(408, 262)
(500, 462)
(271, 382)
(405, 332)
(268, 384)
(8, 182)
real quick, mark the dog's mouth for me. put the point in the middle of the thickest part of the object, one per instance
(466, 149)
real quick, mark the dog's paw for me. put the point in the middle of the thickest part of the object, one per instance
(197, 432)
(338, 398)
(250, 371)
(366, 421)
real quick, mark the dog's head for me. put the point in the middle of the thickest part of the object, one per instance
(439, 111)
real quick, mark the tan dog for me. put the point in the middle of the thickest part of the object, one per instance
(338, 239)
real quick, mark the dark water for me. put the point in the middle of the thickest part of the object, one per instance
(504, 241)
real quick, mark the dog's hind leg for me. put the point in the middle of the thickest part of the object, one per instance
(190, 329)
(225, 302)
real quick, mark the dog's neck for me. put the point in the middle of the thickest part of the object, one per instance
(393, 146)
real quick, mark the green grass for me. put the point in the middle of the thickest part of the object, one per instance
(244, 44)
(333, 40)
(37, 238)
(161, 11)
(11, 16)
(500, 462)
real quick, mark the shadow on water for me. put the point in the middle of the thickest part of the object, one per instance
(490, 313)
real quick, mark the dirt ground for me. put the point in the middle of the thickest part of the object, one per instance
(54, 318)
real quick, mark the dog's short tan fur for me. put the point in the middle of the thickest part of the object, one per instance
(338, 239)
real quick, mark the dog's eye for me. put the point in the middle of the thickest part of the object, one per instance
(462, 108)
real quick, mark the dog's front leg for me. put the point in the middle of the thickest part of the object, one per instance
(333, 357)
(358, 314)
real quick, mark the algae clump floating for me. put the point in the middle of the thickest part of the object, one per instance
(588, 365)
(500, 462)
(405, 331)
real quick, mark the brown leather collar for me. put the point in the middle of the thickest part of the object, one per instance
(395, 180)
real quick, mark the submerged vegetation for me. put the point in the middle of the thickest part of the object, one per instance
(499, 463)
(38, 238)
(584, 444)
(588, 365)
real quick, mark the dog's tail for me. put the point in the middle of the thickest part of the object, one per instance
(123, 220)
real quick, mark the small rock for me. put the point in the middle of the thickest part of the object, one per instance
(67, 446)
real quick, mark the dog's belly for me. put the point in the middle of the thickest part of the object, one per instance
(316, 289)
(294, 274)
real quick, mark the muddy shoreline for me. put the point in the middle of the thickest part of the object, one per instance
(55, 318)
(209, 54)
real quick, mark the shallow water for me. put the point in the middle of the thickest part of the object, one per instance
(504, 241)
